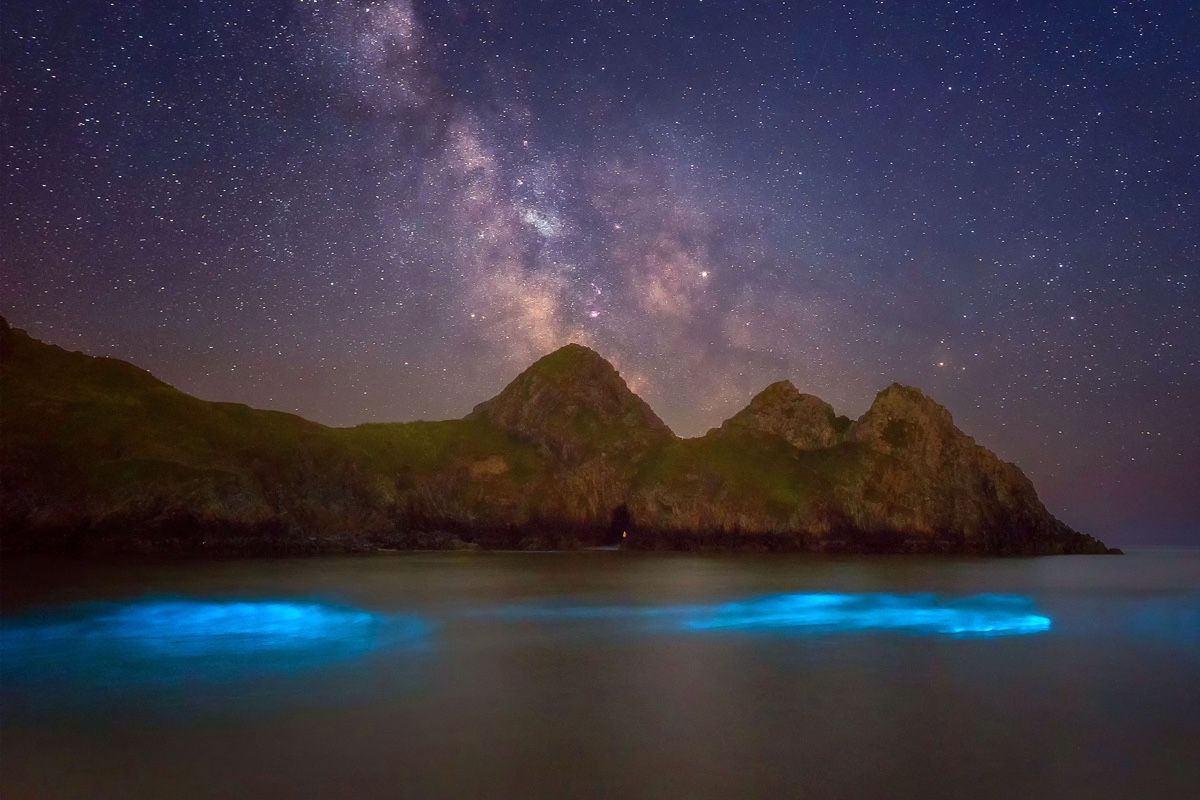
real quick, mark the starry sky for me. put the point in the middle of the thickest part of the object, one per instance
(382, 211)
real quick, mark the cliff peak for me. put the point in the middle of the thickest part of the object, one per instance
(903, 418)
(575, 403)
(899, 400)
(575, 348)
(903, 391)
(782, 390)
(804, 420)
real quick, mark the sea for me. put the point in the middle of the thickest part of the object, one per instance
(602, 675)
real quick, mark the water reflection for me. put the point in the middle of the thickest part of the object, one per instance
(923, 614)
(162, 640)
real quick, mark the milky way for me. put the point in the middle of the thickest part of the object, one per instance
(379, 211)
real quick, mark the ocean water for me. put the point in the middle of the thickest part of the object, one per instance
(602, 674)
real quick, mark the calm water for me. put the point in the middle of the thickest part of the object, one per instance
(603, 675)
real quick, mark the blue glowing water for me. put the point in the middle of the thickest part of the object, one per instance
(986, 615)
(980, 615)
(161, 640)
(178, 640)
(615, 674)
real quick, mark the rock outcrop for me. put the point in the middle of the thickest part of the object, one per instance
(926, 478)
(575, 405)
(803, 420)
(98, 455)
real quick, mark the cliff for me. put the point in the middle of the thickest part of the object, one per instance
(98, 455)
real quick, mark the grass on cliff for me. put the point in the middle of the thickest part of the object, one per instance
(754, 471)
(102, 424)
(424, 447)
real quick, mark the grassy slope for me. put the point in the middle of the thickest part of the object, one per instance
(104, 438)
(751, 478)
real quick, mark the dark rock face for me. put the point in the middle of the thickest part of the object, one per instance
(591, 430)
(924, 477)
(575, 404)
(98, 455)
(804, 421)
(903, 419)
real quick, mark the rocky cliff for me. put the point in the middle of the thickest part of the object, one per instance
(575, 406)
(97, 455)
(804, 421)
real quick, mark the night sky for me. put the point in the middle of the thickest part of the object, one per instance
(382, 211)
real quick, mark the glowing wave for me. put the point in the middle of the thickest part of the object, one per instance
(165, 639)
(174, 640)
(922, 614)
(982, 615)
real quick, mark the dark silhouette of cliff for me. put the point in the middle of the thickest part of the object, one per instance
(97, 455)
